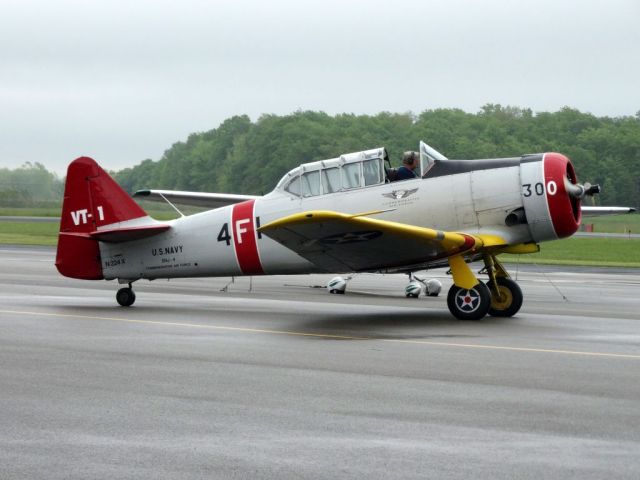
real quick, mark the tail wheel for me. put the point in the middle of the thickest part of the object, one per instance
(510, 299)
(469, 304)
(126, 297)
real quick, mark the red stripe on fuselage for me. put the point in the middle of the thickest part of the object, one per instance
(244, 238)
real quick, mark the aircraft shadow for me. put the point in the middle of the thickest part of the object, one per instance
(398, 326)
(401, 325)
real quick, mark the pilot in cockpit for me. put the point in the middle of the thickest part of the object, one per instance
(410, 161)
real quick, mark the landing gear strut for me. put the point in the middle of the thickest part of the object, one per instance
(126, 296)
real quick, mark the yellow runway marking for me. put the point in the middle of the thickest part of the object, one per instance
(323, 335)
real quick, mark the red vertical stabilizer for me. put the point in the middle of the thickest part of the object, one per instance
(92, 199)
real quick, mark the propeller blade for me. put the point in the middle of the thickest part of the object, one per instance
(580, 191)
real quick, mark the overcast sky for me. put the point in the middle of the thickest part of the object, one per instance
(122, 81)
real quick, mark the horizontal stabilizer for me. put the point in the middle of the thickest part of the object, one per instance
(127, 234)
(197, 199)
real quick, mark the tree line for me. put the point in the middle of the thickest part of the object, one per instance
(244, 156)
(31, 185)
(241, 156)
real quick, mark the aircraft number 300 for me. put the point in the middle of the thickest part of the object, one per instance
(529, 189)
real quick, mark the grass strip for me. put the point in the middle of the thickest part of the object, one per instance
(29, 233)
(600, 252)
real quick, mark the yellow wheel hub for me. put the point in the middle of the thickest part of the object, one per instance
(504, 301)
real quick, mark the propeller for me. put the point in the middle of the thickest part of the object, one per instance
(578, 191)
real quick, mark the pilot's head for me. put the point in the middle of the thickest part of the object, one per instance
(410, 159)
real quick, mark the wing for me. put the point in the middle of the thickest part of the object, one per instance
(198, 199)
(339, 242)
(599, 211)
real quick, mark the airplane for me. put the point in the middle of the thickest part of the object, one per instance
(343, 214)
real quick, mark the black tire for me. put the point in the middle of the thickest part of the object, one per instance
(125, 297)
(512, 299)
(471, 304)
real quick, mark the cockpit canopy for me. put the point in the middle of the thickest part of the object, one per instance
(347, 172)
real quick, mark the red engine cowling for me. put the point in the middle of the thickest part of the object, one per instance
(551, 211)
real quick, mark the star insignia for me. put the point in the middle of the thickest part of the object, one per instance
(351, 237)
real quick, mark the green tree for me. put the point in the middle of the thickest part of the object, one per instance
(242, 156)
(30, 185)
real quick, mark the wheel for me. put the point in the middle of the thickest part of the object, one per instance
(510, 301)
(472, 304)
(411, 295)
(125, 297)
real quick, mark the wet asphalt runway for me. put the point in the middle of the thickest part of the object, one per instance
(287, 381)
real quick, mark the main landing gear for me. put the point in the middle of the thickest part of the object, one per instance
(126, 296)
(471, 299)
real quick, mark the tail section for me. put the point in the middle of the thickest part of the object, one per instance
(92, 201)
